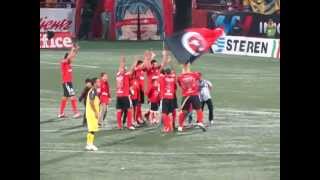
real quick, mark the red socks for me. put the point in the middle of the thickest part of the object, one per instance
(129, 118)
(74, 105)
(135, 116)
(199, 116)
(119, 115)
(167, 123)
(174, 116)
(181, 118)
(139, 113)
(63, 104)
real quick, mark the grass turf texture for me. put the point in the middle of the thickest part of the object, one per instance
(244, 144)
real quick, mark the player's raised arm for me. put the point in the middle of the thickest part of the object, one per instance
(122, 63)
(134, 64)
(147, 59)
(73, 52)
(165, 59)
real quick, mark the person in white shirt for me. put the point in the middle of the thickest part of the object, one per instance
(205, 97)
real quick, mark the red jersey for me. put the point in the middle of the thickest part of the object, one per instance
(167, 86)
(135, 89)
(154, 94)
(104, 92)
(123, 84)
(139, 74)
(66, 70)
(189, 83)
(153, 73)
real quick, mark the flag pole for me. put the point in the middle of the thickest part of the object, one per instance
(164, 37)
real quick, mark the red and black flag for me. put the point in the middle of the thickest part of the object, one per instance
(191, 43)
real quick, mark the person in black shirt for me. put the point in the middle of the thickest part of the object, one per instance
(83, 97)
(236, 29)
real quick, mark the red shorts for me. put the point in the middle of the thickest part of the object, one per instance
(104, 99)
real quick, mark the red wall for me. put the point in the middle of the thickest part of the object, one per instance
(199, 18)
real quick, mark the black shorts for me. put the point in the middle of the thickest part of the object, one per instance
(168, 105)
(193, 100)
(175, 103)
(141, 97)
(68, 90)
(135, 102)
(154, 106)
(123, 103)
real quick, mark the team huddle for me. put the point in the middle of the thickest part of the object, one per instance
(161, 87)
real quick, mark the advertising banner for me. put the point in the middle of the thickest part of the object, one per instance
(246, 46)
(57, 19)
(251, 24)
(60, 40)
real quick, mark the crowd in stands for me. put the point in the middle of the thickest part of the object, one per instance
(258, 6)
(57, 3)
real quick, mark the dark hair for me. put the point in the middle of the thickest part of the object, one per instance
(102, 74)
(167, 71)
(93, 80)
(153, 61)
(139, 62)
(88, 80)
(66, 55)
(162, 71)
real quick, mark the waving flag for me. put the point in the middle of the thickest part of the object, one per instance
(191, 43)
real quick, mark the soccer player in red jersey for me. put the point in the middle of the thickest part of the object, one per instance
(154, 98)
(167, 89)
(135, 97)
(153, 71)
(189, 83)
(68, 91)
(123, 99)
(105, 97)
(138, 74)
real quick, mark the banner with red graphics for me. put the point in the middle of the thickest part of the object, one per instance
(139, 20)
(57, 19)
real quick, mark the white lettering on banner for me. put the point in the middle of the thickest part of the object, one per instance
(60, 40)
(57, 19)
(238, 45)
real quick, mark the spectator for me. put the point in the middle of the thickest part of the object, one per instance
(236, 29)
(51, 3)
(106, 18)
(271, 29)
(237, 5)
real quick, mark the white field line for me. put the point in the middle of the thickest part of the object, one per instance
(217, 109)
(159, 153)
(215, 127)
(74, 65)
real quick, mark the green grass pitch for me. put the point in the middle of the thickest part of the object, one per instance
(244, 144)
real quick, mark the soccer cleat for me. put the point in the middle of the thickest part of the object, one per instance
(131, 128)
(94, 148)
(202, 127)
(179, 129)
(88, 147)
(77, 115)
(211, 122)
(62, 115)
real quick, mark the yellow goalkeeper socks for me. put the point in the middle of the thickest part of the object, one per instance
(90, 138)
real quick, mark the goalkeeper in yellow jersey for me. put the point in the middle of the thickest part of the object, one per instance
(92, 113)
